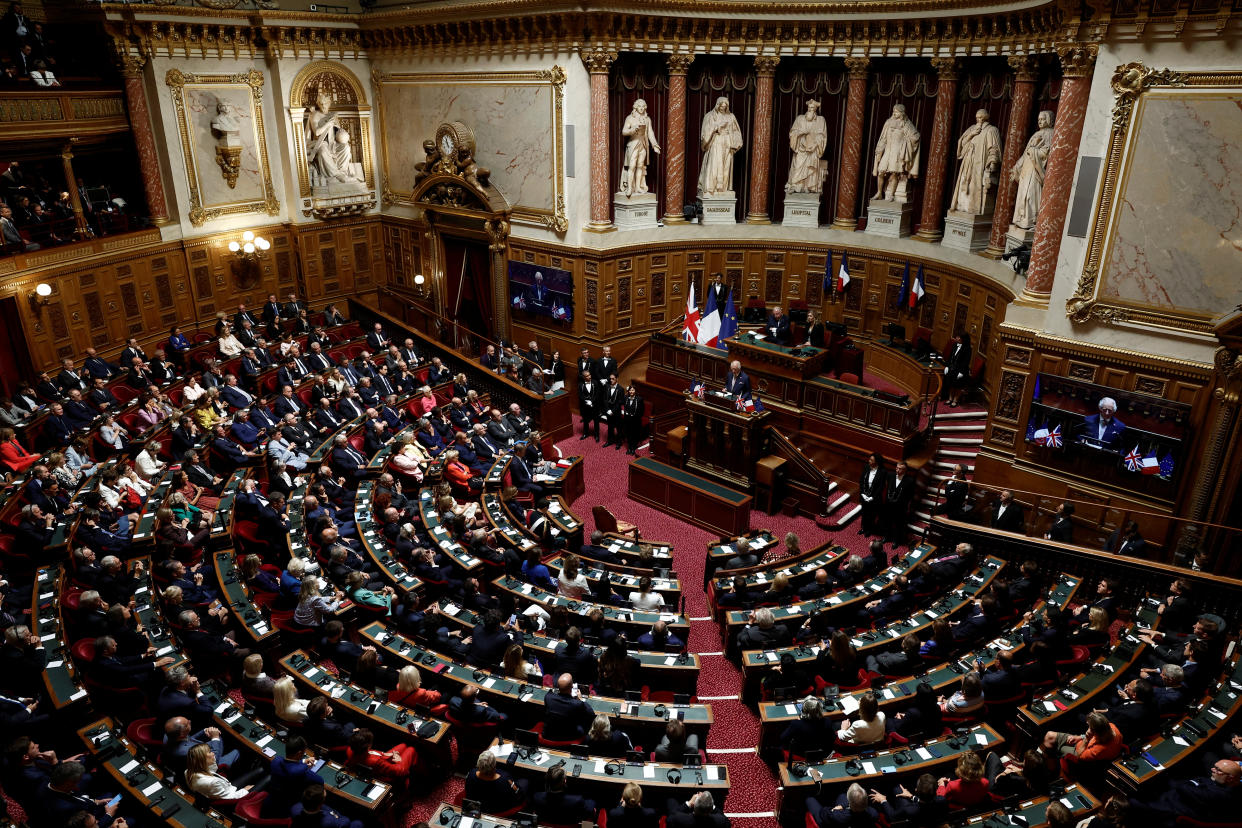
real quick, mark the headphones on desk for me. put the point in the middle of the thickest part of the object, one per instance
(450, 818)
(901, 757)
(673, 775)
(428, 659)
(342, 779)
(854, 767)
(799, 769)
(615, 767)
(661, 711)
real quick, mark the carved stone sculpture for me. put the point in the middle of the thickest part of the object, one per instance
(808, 137)
(1029, 173)
(719, 137)
(329, 157)
(896, 156)
(642, 142)
(979, 151)
(229, 150)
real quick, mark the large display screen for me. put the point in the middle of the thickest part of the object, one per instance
(541, 290)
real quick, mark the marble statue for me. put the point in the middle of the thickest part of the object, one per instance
(1029, 173)
(979, 151)
(808, 137)
(328, 156)
(896, 156)
(226, 123)
(642, 142)
(719, 137)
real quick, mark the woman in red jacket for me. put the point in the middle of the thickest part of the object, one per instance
(457, 472)
(410, 690)
(970, 788)
(389, 765)
(12, 454)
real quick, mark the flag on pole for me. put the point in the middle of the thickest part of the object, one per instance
(697, 389)
(1150, 464)
(691, 330)
(709, 322)
(519, 302)
(728, 322)
(829, 285)
(558, 310)
(745, 405)
(1166, 466)
(916, 288)
(1036, 395)
(1134, 460)
(905, 286)
(843, 276)
(1054, 437)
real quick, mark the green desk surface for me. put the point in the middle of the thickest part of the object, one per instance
(808, 351)
(796, 571)
(148, 612)
(625, 582)
(237, 595)
(693, 480)
(638, 621)
(757, 541)
(64, 686)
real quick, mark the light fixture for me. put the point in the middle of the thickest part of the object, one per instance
(420, 286)
(39, 298)
(249, 246)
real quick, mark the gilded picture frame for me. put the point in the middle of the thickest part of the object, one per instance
(397, 182)
(259, 196)
(1117, 270)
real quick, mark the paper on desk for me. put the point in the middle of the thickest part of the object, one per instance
(599, 765)
(129, 766)
(264, 740)
(849, 704)
(466, 822)
(376, 792)
(712, 772)
(78, 695)
(670, 661)
(1178, 740)
(152, 788)
(54, 664)
(223, 706)
(868, 767)
(649, 771)
(923, 753)
(981, 739)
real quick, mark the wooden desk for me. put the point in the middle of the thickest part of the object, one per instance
(690, 497)
(64, 685)
(633, 622)
(237, 595)
(143, 781)
(723, 443)
(780, 360)
(758, 541)
(524, 702)
(625, 582)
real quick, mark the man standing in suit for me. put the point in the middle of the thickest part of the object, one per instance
(897, 497)
(777, 327)
(69, 378)
(590, 396)
(605, 366)
(1127, 540)
(871, 493)
(586, 364)
(1062, 528)
(534, 354)
(1103, 429)
(1008, 515)
(720, 290)
(632, 419)
(614, 399)
(737, 383)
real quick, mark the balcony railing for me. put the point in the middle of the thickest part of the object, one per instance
(44, 113)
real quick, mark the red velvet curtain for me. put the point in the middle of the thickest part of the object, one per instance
(712, 77)
(634, 76)
(468, 282)
(896, 81)
(799, 80)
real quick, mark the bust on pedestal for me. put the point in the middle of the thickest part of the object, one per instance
(808, 137)
(634, 207)
(890, 213)
(968, 223)
(720, 137)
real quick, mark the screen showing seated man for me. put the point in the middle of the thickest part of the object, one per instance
(546, 291)
(1103, 430)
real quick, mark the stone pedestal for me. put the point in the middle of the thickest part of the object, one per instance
(801, 210)
(967, 231)
(636, 212)
(1016, 237)
(894, 219)
(720, 208)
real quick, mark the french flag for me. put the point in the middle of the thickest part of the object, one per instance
(843, 275)
(1150, 464)
(916, 289)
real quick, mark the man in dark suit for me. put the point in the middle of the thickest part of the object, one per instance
(610, 410)
(871, 493)
(898, 495)
(47, 389)
(1103, 429)
(290, 777)
(347, 460)
(698, 812)
(777, 327)
(737, 383)
(1062, 526)
(484, 447)
(138, 375)
(605, 366)
(229, 450)
(291, 308)
(181, 696)
(58, 428)
(377, 340)
(234, 395)
(1213, 799)
(78, 412)
(288, 403)
(271, 313)
(586, 364)
(70, 378)
(102, 398)
(466, 708)
(62, 798)
(98, 367)
(719, 290)
(161, 371)
(1007, 514)
(573, 658)
(534, 354)
(490, 638)
(565, 715)
(131, 351)
(956, 492)
(317, 361)
(1127, 540)
(559, 807)
(327, 417)
(590, 402)
(1134, 711)
(242, 316)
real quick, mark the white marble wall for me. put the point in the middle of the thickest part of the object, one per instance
(1188, 55)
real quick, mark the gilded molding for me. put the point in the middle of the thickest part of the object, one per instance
(1120, 357)
(947, 68)
(357, 111)
(1025, 68)
(679, 63)
(598, 59)
(199, 213)
(1131, 80)
(766, 64)
(857, 66)
(1077, 59)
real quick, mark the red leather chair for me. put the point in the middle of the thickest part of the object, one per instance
(144, 732)
(250, 808)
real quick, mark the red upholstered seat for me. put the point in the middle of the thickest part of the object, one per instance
(250, 808)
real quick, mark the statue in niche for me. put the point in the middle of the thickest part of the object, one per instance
(1029, 173)
(896, 157)
(979, 151)
(808, 137)
(642, 142)
(719, 138)
(329, 156)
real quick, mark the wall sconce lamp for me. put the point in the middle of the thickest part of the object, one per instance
(39, 298)
(420, 286)
(249, 247)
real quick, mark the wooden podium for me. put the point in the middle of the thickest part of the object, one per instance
(723, 443)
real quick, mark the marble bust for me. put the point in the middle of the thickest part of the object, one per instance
(719, 137)
(1029, 173)
(896, 156)
(808, 138)
(642, 142)
(227, 124)
(979, 153)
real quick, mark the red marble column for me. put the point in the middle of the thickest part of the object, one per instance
(597, 61)
(675, 140)
(1077, 64)
(932, 213)
(851, 146)
(761, 140)
(1015, 142)
(144, 139)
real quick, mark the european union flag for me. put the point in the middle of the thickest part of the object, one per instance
(1030, 430)
(728, 322)
(1036, 396)
(1166, 466)
(828, 276)
(904, 293)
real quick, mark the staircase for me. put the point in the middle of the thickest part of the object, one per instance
(959, 434)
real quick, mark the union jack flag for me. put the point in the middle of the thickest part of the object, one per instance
(558, 311)
(745, 405)
(1134, 460)
(519, 301)
(1054, 437)
(698, 389)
